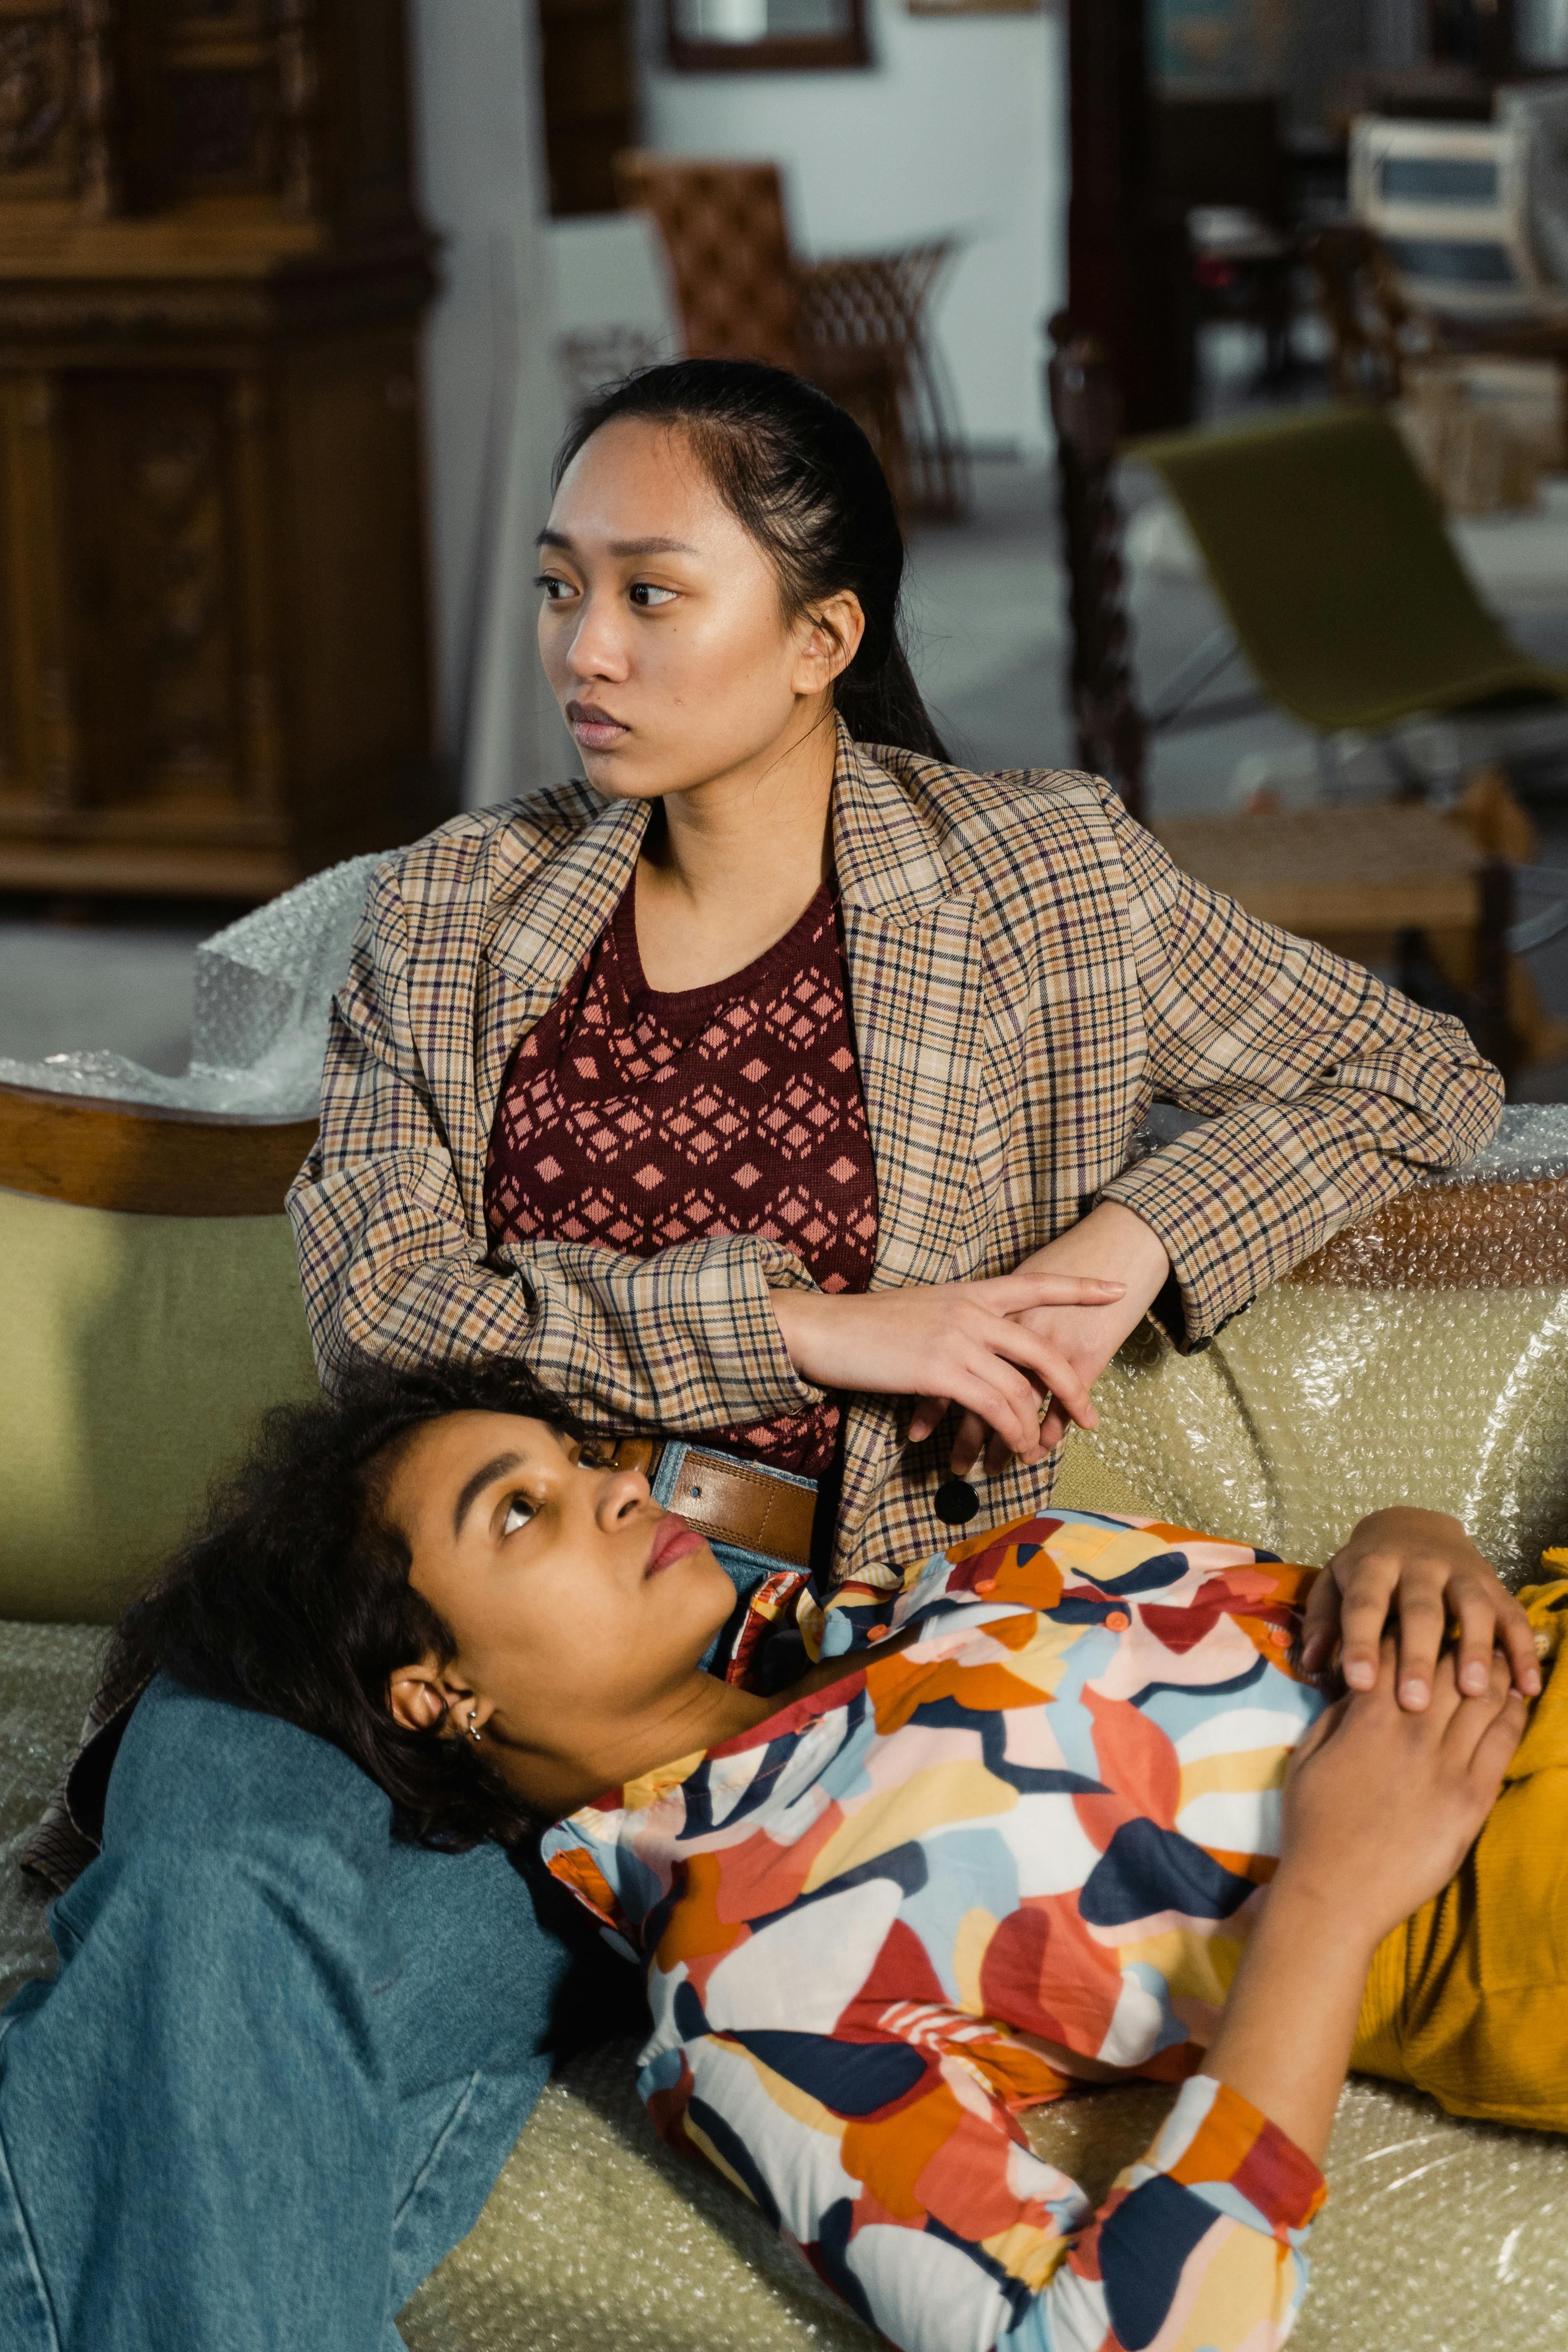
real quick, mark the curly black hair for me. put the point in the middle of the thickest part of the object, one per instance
(295, 1600)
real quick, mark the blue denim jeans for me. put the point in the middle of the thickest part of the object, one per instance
(281, 2063)
(284, 2056)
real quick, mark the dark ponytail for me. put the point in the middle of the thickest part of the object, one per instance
(799, 475)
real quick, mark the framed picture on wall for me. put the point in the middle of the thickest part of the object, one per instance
(765, 36)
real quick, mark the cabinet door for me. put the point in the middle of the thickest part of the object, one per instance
(150, 551)
(41, 753)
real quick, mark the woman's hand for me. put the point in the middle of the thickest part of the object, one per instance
(1381, 1807)
(1421, 1567)
(1382, 1804)
(966, 1341)
(1109, 1240)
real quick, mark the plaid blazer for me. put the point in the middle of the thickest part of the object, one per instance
(1027, 973)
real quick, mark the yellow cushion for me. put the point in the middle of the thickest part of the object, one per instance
(139, 1354)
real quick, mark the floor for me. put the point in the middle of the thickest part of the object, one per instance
(987, 625)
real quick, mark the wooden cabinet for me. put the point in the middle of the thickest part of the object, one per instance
(214, 668)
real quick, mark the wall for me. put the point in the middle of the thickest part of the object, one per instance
(959, 124)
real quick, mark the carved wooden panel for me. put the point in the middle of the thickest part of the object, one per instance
(354, 545)
(149, 549)
(224, 82)
(110, 107)
(39, 745)
(213, 623)
(38, 121)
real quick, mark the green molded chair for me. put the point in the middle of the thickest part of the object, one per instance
(1329, 553)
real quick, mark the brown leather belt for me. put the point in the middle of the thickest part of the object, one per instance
(733, 1502)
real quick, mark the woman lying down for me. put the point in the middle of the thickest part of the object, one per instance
(1023, 1825)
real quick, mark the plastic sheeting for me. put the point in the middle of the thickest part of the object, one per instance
(1425, 1362)
(259, 1029)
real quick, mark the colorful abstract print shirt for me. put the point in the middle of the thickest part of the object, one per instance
(894, 1915)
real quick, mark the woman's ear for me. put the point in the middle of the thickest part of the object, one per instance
(419, 1697)
(834, 631)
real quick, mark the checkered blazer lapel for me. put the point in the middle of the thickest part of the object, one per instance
(545, 906)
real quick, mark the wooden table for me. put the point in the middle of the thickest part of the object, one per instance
(1323, 873)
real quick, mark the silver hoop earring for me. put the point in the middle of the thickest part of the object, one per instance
(474, 1732)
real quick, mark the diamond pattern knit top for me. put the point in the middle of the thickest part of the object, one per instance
(640, 1118)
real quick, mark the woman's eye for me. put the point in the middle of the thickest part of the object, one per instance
(519, 1511)
(557, 590)
(645, 594)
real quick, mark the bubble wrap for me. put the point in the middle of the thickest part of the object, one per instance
(261, 990)
(1384, 1372)
(47, 1678)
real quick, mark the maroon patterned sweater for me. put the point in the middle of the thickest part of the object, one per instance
(639, 1118)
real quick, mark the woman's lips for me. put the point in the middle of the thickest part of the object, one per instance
(672, 1539)
(593, 727)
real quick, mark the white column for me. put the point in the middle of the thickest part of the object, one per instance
(492, 399)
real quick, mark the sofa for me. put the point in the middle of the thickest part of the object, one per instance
(1421, 1357)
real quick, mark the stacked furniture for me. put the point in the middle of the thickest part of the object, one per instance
(1451, 203)
(1362, 619)
(212, 665)
(1458, 253)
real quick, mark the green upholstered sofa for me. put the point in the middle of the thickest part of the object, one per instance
(1421, 1357)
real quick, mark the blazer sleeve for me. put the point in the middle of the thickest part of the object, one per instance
(931, 2216)
(1326, 1092)
(685, 1340)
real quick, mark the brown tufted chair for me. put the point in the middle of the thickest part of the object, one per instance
(852, 326)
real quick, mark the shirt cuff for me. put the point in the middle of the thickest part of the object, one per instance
(1225, 1244)
(1224, 2150)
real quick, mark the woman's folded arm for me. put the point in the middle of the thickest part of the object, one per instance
(391, 1268)
(909, 2189)
(1326, 1091)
